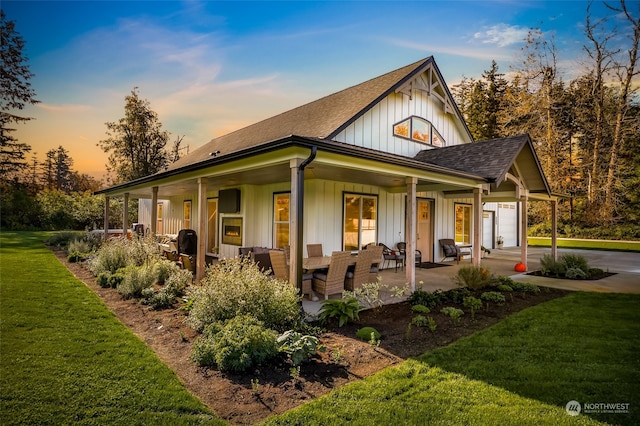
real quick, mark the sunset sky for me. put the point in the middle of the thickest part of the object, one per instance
(210, 67)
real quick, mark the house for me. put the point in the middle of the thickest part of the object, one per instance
(385, 161)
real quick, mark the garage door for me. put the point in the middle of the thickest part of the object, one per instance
(508, 223)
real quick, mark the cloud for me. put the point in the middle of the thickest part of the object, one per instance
(64, 108)
(502, 35)
(471, 52)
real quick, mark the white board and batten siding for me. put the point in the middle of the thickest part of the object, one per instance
(375, 128)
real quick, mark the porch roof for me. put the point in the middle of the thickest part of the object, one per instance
(494, 160)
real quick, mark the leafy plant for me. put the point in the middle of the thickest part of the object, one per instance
(575, 261)
(368, 294)
(525, 288)
(431, 323)
(420, 321)
(473, 303)
(473, 277)
(576, 274)
(343, 309)
(493, 296)
(365, 333)
(453, 313)
(241, 343)
(136, 278)
(550, 266)
(425, 298)
(297, 346)
(421, 309)
(173, 288)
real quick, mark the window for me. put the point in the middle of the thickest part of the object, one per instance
(419, 130)
(212, 225)
(360, 220)
(463, 224)
(186, 214)
(159, 230)
(281, 205)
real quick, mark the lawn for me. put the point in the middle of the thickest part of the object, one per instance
(524, 370)
(581, 243)
(65, 358)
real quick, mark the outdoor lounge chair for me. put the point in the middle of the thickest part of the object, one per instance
(450, 249)
(332, 281)
(402, 248)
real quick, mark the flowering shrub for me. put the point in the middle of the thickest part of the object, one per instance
(237, 287)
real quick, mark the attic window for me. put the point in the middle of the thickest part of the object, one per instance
(419, 130)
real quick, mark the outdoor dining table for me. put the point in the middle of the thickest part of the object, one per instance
(323, 262)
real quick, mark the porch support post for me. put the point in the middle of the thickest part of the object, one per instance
(410, 232)
(125, 215)
(295, 238)
(523, 231)
(106, 217)
(201, 232)
(477, 226)
(554, 229)
(154, 210)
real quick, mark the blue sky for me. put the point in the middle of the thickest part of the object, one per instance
(210, 67)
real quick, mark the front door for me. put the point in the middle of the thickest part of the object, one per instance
(424, 228)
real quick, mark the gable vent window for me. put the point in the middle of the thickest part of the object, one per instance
(419, 130)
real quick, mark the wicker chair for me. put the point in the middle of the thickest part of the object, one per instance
(362, 273)
(315, 250)
(377, 257)
(281, 270)
(332, 281)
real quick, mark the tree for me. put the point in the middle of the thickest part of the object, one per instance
(136, 143)
(16, 93)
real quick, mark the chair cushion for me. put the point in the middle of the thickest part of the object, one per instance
(349, 274)
(450, 250)
(307, 277)
(320, 276)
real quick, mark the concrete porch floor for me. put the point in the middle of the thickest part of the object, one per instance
(626, 265)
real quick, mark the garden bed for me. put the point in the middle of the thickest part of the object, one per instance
(270, 389)
(593, 277)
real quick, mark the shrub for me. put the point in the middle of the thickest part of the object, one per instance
(473, 277)
(344, 309)
(575, 261)
(365, 333)
(136, 278)
(421, 297)
(174, 287)
(63, 238)
(453, 313)
(75, 257)
(111, 257)
(576, 274)
(551, 266)
(455, 295)
(103, 279)
(525, 288)
(241, 343)
(237, 286)
(116, 279)
(163, 268)
(420, 321)
(298, 347)
(421, 309)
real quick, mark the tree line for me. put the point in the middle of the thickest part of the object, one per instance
(585, 129)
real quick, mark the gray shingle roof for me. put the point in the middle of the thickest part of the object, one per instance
(317, 119)
(490, 159)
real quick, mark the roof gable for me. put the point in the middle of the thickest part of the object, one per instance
(493, 160)
(325, 117)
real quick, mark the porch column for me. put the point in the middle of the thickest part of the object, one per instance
(106, 217)
(125, 215)
(154, 210)
(554, 229)
(523, 231)
(410, 232)
(295, 240)
(201, 232)
(477, 226)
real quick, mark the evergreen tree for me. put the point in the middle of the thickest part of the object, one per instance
(16, 94)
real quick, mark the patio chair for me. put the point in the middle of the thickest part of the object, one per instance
(402, 248)
(315, 250)
(388, 255)
(281, 270)
(362, 272)
(377, 257)
(450, 249)
(332, 282)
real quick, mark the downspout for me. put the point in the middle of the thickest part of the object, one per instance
(299, 212)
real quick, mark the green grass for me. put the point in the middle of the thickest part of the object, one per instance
(65, 358)
(525, 370)
(580, 243)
